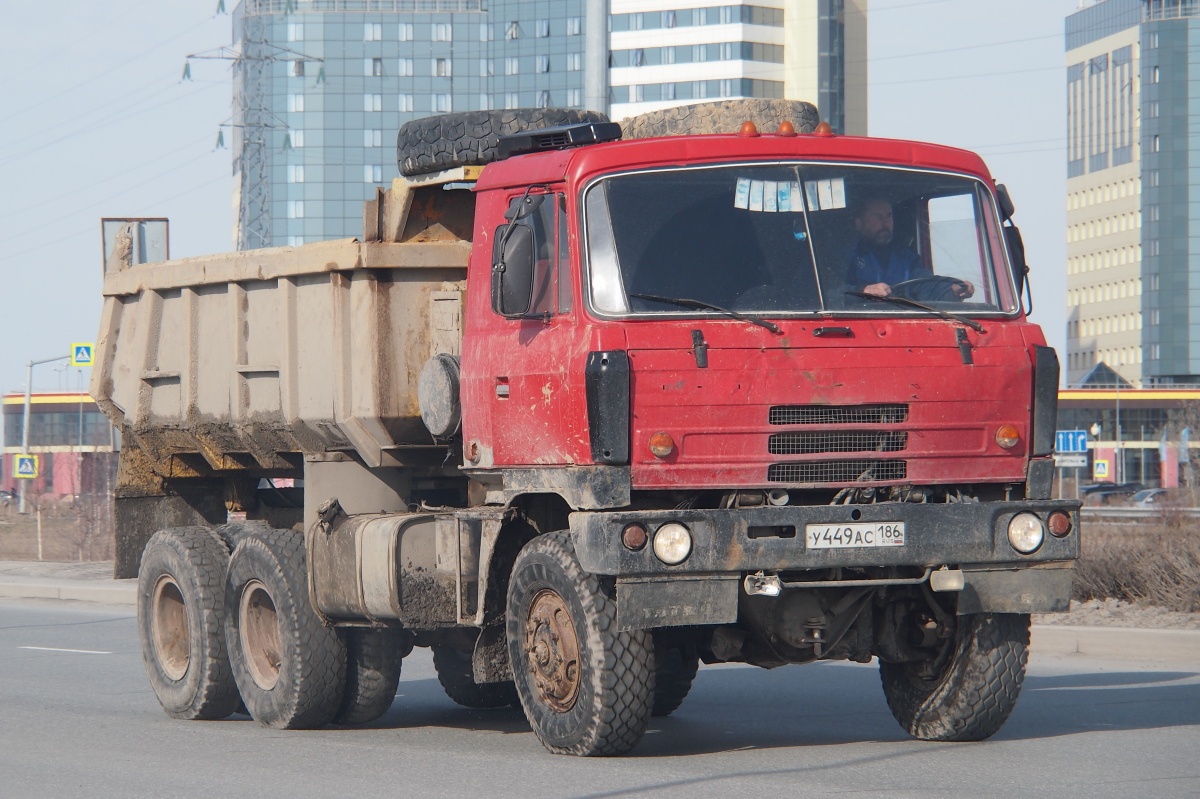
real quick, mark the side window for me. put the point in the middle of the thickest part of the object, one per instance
(564, 258)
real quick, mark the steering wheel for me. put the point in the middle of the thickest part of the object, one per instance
(936, 288)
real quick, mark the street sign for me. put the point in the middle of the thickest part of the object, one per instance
(1071, 460)
(82, 354)
(25, 467)
(1070, 441)
(1100, 470)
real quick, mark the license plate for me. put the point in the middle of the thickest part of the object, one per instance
(857, 534)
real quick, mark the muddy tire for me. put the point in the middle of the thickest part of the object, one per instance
(675, 670)
(586, 687)
(458, 681)
(470, 138)
(975, 690)
(181, 609)
(722, 117)
(233, 533)
(289, 667)
(373, 660)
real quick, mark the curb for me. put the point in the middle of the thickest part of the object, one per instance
(109, 592)
(1120, 643)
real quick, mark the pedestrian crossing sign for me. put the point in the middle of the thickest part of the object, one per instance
(82, 354)
(25, 467)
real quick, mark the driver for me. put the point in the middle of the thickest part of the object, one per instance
(876, 262)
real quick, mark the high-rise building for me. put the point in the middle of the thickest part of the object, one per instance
(1133, 270)
(670, 52)
(322, 86)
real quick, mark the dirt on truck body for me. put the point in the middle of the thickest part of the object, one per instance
(582, 413)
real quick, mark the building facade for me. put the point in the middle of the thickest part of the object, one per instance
(1133, 271)
(66, 431)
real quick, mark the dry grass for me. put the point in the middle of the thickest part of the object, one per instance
(1155, 563)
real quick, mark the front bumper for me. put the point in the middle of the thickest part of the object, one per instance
(742, 540)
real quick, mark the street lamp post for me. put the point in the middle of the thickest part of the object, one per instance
(25, 421)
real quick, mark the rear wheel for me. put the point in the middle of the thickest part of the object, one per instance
(181, 603)
(457, 677)
(969, 690)
(675, 670)
(586, 687)
(289, 667)
(373, 660)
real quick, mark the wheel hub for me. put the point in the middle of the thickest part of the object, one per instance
(170, 628)
(553, 651)
(259, 633)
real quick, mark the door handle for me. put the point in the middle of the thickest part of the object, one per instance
(502, 388)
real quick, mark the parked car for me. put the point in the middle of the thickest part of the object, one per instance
(1104, 493)
(1150, 498)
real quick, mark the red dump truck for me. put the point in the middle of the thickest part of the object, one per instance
(586, 407)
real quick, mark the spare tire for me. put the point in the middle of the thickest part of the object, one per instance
(470, 138)
(726, 116)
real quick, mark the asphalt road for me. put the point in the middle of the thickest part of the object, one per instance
(84, 723)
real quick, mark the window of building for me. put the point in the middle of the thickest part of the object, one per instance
(406, 32)
(443, 32)
(512, 65)
(1152, 178)
(405, 68)
(440, 68)
(296, 137)
(574, 26)
(726, 50)
(726, 88)
(574, 62)
(1154, 282)
(637, 58)
(407, 103)
(574, 98)
(486, 68)
(372, 138)
(373, 173)
(543, 99)
(295, 209)
(668, 91)
(295, 103)
(442, 104)
(296, 69)
(669, 19)
(1152, 41)
(1153, 213)
(295, 32)
(373, 32)
(513, 31)
(636, 94)
(1154, 75)
(486, 102)
(295, 241)
(372, 102)
(542, 28)
(512, 100)
(295, 173)
(699, 52)
(373, 67)
(485, 32)
(542, 63)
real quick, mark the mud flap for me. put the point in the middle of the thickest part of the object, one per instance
(1043, 590)
(675, 601)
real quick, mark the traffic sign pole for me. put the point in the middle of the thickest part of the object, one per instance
(25, 426)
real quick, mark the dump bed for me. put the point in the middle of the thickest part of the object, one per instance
(235, 361)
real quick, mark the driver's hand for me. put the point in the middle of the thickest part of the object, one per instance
(878, 290)
(964, 290)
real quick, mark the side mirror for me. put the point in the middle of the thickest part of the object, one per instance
(1016, 253)
(1007, 209)
(512, 270)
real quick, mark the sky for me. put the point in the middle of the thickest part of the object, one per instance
(97, 122)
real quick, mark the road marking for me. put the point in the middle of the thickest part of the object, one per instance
(75, 651)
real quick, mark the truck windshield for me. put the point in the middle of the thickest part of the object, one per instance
(771, 239)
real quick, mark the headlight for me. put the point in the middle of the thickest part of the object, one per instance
(1025, 533)
(672, 543)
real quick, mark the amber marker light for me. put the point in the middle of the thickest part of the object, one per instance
(1007, 436)
(786, 128)
(634, 537)
(748, 129)
(1059, 524)
(662, 445)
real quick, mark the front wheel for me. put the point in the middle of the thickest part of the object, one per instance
(968, 692)
(586, 687)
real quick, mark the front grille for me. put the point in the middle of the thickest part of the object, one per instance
(837, 472)
(853, 441)
(891, 413)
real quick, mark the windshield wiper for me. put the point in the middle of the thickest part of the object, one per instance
(686, 303)
(962, 320)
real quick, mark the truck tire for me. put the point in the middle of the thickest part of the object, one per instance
(675, 671)
(289, 667)
(722, 117)
(233, 532)
(470, 138)
(587, 688)
(373, 660)
(181, 609)
(458, 681)
(974, 692)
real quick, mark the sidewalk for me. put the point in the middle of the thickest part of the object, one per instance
(92, 582)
